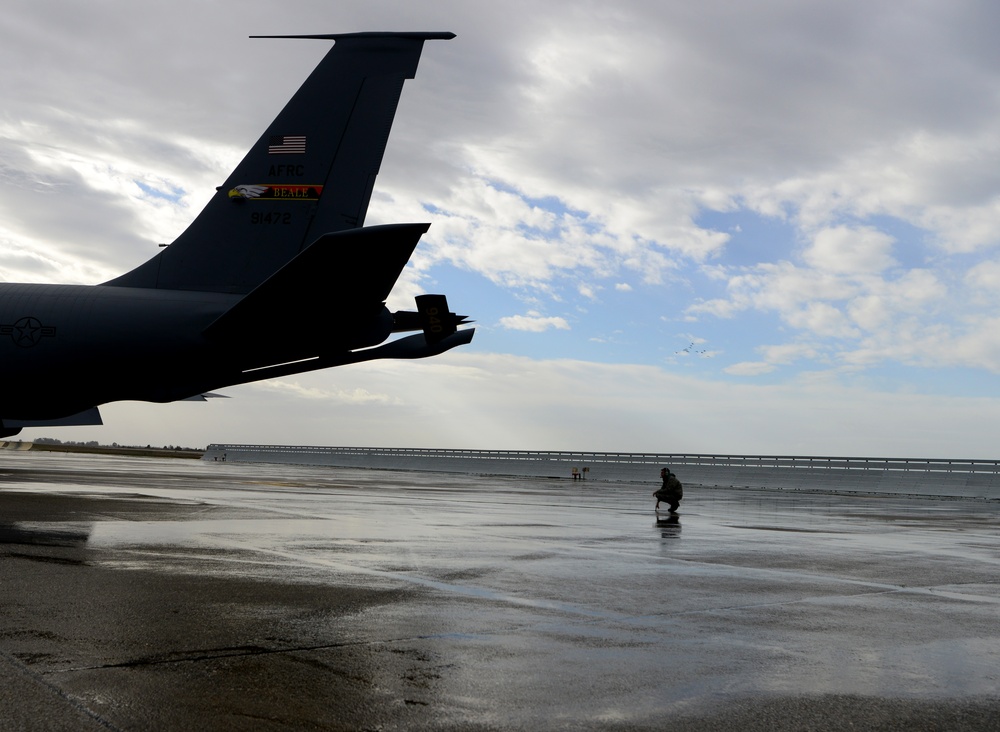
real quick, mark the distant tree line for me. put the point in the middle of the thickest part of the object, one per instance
(95, 443)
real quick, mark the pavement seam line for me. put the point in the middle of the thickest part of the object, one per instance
(24, 670)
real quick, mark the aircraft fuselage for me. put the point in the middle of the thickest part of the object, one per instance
(65, 348)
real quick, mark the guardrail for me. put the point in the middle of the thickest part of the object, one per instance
(927, 477)
(674, 460)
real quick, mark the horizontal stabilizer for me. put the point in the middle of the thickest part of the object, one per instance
(346, 272)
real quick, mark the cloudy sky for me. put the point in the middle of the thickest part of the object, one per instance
(767, 227)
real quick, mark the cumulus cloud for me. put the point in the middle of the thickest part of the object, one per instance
(984, 277)
(850, 250)
(534, 323)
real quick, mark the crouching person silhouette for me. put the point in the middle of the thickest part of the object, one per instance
(671, 492)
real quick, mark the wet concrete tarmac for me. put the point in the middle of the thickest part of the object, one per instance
(165, 594)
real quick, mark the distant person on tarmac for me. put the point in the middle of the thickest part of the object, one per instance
(671, 492)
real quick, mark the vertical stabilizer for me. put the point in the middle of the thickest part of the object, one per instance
(311, 173)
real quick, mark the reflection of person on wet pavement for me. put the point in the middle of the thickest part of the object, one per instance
(671, 492)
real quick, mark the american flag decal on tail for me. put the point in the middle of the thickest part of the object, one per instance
(286, 145)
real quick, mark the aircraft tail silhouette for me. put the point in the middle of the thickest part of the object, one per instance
(309, 175)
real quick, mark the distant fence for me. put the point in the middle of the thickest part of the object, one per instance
(915, 476)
